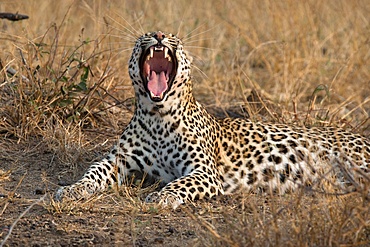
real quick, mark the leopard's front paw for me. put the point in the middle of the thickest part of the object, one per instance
(58, 196)
(67, 193)
(164, 199)
(75, 192)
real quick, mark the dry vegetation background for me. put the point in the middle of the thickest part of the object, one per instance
(65, 96)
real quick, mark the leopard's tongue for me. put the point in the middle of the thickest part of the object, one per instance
(157, 83)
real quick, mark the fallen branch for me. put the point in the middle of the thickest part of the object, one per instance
(13, 17)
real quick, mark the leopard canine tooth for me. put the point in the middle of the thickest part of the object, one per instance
(151, 52)
(165, 52)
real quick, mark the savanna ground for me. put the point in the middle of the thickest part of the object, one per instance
(65, 96)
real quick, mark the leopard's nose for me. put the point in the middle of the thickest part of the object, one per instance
(159, 36)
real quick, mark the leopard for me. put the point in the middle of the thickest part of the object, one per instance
(173, 140)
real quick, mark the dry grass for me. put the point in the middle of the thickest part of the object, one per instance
(306, 62)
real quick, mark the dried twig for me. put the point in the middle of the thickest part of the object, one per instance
(13, 17)
(19, 217)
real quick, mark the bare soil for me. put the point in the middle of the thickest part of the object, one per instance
(32, 173)
(120, 218)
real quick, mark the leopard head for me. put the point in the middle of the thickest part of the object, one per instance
(160, 69)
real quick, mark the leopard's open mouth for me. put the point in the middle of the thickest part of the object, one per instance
(158, 69)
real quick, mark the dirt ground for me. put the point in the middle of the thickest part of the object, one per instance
(28, 217)
(32, 173)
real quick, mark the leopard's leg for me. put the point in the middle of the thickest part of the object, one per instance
(111, 171)
(198, 184)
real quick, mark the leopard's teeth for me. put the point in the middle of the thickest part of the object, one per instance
(166, 55)
(151, 52)
(152, 95)
(165, 52)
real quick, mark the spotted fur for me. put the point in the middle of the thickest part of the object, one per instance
(172, 138)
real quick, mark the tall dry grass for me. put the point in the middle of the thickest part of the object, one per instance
(308, 60)
(302, 56)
